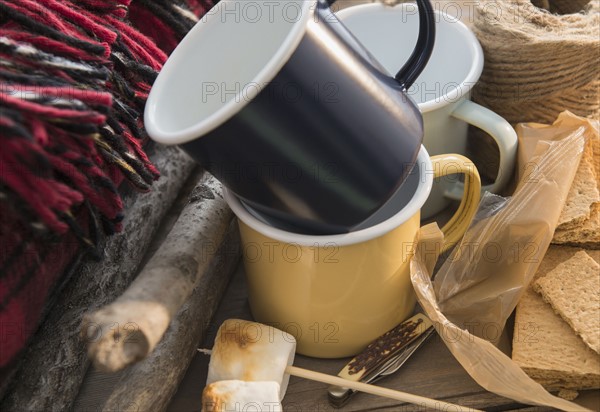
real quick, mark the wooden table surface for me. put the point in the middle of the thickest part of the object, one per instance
(432, 372)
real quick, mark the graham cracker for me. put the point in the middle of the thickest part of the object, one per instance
(582, 194)
(586, 235)
(544, 345)
(568, 394)
(595, 144)
(573, 291)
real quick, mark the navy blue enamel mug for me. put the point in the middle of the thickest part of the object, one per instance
(286, 108)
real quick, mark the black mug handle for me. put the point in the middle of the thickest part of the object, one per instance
(417, 61)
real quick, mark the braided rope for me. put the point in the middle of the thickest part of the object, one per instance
(538, 64)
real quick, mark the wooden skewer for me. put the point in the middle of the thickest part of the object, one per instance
(372, 389)
(375, 390)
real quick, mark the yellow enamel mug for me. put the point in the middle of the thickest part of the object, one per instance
(337, 293)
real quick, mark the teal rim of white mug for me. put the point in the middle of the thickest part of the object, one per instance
(413, 206)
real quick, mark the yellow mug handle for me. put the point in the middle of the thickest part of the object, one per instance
(448, 164)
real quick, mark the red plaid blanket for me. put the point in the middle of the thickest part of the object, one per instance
(73, 83)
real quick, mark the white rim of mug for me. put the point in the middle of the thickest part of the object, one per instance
(234, 106)
(416, 203)
(466, 85)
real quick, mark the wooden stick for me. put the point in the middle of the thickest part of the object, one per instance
(56, 357)
(128, 329)
(375, 390)
(366, 388)
(166, 366)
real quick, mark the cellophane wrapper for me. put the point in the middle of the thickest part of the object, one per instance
(480, 283)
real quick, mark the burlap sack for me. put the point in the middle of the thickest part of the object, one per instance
(538, 64)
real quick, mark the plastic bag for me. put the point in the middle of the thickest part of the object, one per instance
(486, 364)
(481, 282)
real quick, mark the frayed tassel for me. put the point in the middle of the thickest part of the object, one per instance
(70, 67)
(73, 85)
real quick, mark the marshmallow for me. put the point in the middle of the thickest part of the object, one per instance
(240, 396)
(251, 351)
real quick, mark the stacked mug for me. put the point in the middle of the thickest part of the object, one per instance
(320, 152)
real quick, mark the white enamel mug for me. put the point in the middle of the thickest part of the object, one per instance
(443, 89)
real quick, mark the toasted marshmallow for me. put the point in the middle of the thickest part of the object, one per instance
(240, 396)
(251, 351)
